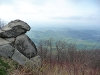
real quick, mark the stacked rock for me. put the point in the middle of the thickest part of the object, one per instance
(15, 44)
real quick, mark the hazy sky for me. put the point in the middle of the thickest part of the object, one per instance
(65, 12)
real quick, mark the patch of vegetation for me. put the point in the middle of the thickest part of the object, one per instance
(3, 67)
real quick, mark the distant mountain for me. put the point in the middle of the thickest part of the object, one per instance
(81, 37)
(81, 34)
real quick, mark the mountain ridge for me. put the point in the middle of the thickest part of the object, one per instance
(81, 37)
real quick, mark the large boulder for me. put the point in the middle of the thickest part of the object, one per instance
(25, 45)
(14, 29)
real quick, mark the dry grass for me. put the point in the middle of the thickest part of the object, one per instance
(57, 69)
(52, 68)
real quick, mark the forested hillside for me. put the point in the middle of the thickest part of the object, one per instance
(80, 37)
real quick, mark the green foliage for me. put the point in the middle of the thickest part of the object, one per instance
(3, 71)
(3, 67)
(2, 63)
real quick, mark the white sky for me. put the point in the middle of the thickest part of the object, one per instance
(55, 11)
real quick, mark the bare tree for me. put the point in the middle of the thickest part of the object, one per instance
(50, 45)
(61, 47)
(63, 52)
(2, 23)
(42, 49)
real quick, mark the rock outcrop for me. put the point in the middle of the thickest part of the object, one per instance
(15, 44)
(14, 29)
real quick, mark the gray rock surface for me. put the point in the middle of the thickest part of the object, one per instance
(6, 51)
(24, 45)
(23, 24)
(20, 58)
(10, 39)
(14, 29)
(15, 44)
(2, 42)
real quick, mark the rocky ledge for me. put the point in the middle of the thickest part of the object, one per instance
(15, 44)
